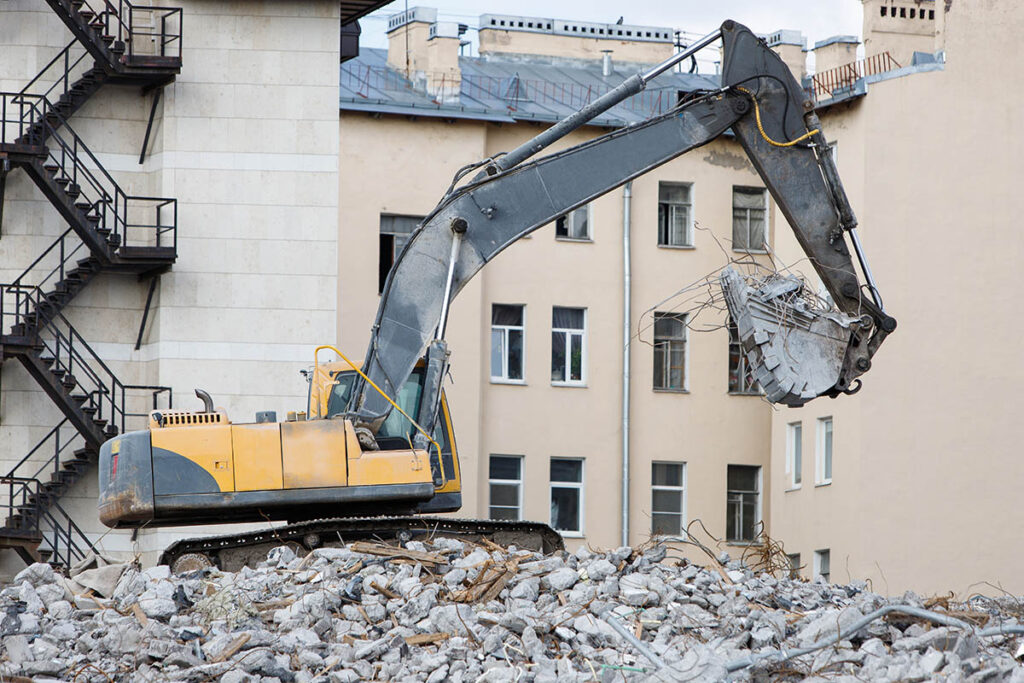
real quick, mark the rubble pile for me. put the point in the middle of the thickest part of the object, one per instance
(460, 611)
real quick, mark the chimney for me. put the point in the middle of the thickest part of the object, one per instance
(514, 37)
(426, 51)
(835, 51)
(791, 47)
(901, 28)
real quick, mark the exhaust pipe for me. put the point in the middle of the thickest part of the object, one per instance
(207, 401)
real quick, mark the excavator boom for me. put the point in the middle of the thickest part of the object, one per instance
(774, 122)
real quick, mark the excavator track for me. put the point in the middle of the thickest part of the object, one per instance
(231, 552)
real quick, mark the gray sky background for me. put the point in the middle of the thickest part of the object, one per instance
(816, 19)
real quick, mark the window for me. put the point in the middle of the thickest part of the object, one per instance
(794, 453)
(567, 496)
(507, 333)
(794, 565)
(394, 233)
(675, 210)
(574, 225)
(824, 451)
(667, 488)
(506, 487)
(670, 351)
(822, 562)
(749, 206)
(741, 375)
(568, 345)
(743, 506)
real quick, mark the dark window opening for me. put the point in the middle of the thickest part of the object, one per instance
(883, 10)
(394, 233)
(903, 12)
(913, 13)
(931, 14)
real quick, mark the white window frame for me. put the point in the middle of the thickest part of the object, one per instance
(820, 555)
(681, 489)
(820, 450)
(767, 222)
(794, 455)
(759, 515)
(570, 485)
(569, 332)
(517, 482)
(504, 378)
(686, 351)
(689, 222)
(570, 222)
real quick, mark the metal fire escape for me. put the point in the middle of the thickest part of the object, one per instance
(109, 231)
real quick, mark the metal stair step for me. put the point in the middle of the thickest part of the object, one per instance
(73, 190)
(79, 398)
(47, 360)
(118, 47)
(111, 431)
(51, 168)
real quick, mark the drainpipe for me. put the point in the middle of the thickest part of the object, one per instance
(627, 200)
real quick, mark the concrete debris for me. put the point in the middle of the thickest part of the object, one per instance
(450, 610)
(795, 343)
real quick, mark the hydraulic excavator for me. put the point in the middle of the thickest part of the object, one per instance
(377, 439)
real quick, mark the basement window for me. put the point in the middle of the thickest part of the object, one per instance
(823, 564)
(394, 234)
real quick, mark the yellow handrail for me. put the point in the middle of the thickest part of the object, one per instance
(316, 365)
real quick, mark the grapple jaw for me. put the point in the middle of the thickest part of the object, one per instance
(795, 346)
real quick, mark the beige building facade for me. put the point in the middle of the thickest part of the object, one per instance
(245, 140)
(925, 466)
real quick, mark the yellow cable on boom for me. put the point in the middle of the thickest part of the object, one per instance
(369, 381)
(757, 117)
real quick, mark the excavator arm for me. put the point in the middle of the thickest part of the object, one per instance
(511, 197)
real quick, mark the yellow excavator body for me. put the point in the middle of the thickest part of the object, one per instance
(196, 467)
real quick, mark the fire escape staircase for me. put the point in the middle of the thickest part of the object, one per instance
(109, 231)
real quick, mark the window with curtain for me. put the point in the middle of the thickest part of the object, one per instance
(743, 503)
(394, 234)
(507, 337)
(568, 345)
(749, 211)
(675, 228)
(670, 351)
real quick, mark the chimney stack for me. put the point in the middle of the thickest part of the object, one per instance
(426, 51)
(901, 28)
(791, 47)
(835, 51)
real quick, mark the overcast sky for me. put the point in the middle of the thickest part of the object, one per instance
(816, 19)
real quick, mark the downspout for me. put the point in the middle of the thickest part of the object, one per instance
(627, 200)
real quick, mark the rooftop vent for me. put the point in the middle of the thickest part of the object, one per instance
(427, 15)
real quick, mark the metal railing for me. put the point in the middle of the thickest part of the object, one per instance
(145, 30)
(60, 73)
(512, 92)
(50, 524)
(66, 248)
(32, 119)
(826, 83)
